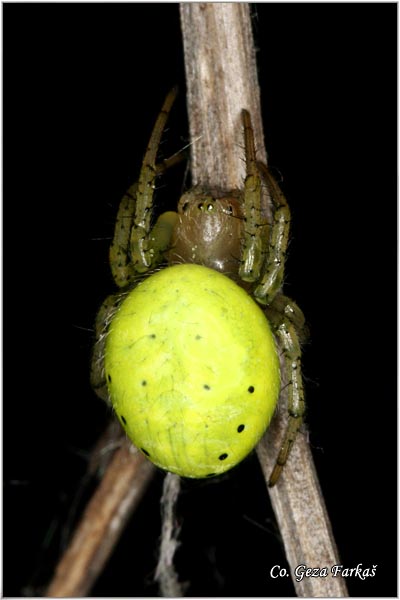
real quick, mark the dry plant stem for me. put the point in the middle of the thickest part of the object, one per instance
(301, 513)
(103, 521)
(102, 453)
(220, 75)
(221, 81)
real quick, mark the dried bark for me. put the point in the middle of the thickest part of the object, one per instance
(102, 523)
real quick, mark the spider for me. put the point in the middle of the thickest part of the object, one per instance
(225, 232)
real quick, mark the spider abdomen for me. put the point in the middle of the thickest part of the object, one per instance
(192, 370)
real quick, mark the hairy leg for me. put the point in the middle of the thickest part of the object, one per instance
(272, 277)
(253, 252)
(142, 257)
(286, 334)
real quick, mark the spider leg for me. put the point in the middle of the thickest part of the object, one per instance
(254, 247)
(97, 375)
(285, 331)
(122, 264)
(271, 280)
(161, 235)
(140, 243)
(122, 268)
(287, 307)
(167, 163)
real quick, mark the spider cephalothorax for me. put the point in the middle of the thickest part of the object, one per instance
(185, 356)
(208, 230)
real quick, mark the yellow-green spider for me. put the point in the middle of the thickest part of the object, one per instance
(186, 351)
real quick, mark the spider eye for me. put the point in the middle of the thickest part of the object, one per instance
(185, 206)
(210, 207)
(200, 206)
(227, 210)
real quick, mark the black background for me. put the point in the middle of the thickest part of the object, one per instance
(82, 87)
